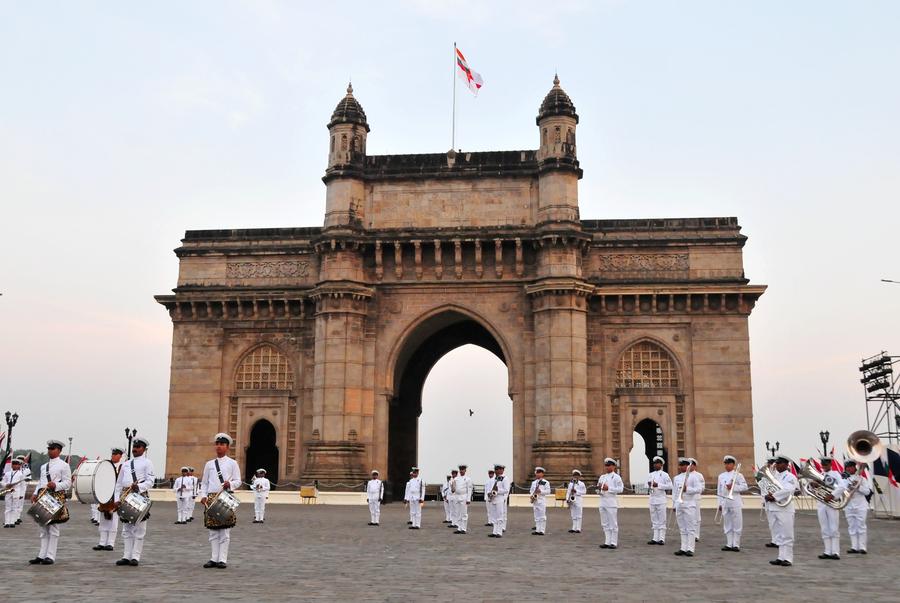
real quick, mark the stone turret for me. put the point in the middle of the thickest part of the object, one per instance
(557, 158)
(348, 129)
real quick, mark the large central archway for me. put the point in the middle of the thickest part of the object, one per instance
(427, 343)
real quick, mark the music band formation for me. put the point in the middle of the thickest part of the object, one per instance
(119, 493)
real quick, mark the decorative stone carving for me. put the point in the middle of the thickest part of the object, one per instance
(285, 269)
(643, 262)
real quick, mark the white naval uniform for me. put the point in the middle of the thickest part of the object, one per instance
(856, 511)
(445, 495)
(261, 487)
(498, 505)
(575, 492)
(830, 518)
(133, 534)
(14, 498)
(26, 469)
(210, 484)
(658, 503)
(374, 496)
(697, 510)
(541, 487)
(109, 528)
(415, 494)
(184, 492)
(686, 510)
(95, 512)
(732, 509)
(488, 486)
(460, 496)
(609, 506)
(783, 517)
(195, 482)
(61, 474)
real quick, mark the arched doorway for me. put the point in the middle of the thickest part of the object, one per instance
(652, 434)
(262, 452)
(422, 349)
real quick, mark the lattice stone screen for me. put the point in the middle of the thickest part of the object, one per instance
(646, 365)
(264, 369)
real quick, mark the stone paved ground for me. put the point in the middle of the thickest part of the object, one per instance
(328, 553)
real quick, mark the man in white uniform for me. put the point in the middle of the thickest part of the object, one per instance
(221, 473)
(539, 491)
(783, 517)
(829, 517)
(610, 485)
(497, 502)
(56, 477)
(109, 520)
(488, 486)
(731, 505)
(23, 486)
(138, 472)
(461, 496)
(183, 495)
(575, 492)
(415, 498)
(261, 487)
(445, 496)
(192, 501)
(857, 509)
(374, 496)
(686, 490)
(702, 479)
(14, 479)
(658, 482)
(767, 508)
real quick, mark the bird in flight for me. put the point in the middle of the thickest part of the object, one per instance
(471, 412)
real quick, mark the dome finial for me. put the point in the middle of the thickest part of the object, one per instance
(350, 88)
(555, 79)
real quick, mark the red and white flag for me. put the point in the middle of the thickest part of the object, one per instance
(472, 79)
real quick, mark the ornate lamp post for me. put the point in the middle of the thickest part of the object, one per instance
(824, 435)
(773, 449)
(11, 419)
(130, 434)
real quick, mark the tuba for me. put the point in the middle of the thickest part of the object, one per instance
(863, 446)
(769, 483)
(821, 487)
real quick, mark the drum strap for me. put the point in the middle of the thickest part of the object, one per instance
(48, 472)
(134, 478)
(219, 471)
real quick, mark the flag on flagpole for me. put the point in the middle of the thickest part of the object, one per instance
(471, 78)
(835, 463)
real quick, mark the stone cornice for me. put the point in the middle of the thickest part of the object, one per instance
(557, 286)
(678, 299)
(342, 289)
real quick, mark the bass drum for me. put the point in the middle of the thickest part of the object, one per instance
(95, 482)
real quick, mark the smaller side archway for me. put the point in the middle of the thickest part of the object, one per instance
(262, 453)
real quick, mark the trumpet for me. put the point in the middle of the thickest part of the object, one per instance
(730, 496)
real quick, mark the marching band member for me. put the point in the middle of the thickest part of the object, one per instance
(609, 486)
(829, 517)
(461, 496)
(109, 519)
(783, 517)
(374, 496)
(192, 501)
(183, 495)
(445, 496)
(488, 485)
(575, 492)
(56, 477)
(540, 490)
(221, 473)
(26, 477)
(14, 480)
(657, 483)
(857, 509)
(699, 475)
(138, 472)
(730, 481)
(415, 498)
(95, 514)
(500, 487)
(686, 490)
(767, 507)
(261, 487)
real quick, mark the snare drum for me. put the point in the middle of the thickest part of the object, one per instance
(46, 508)
(95, 482)
(134, 507)
(221, 511)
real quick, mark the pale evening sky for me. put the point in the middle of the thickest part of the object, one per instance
(124, 124)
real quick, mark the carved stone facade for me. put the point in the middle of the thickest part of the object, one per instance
(605, 326)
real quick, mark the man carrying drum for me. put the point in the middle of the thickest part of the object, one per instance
(56, 478)
(135, 475)
(221, 473)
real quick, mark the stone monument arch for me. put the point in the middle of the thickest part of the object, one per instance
(419, 254)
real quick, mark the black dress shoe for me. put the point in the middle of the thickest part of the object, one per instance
(35, 561)
(492, 535)
(735, 549)
(852, 551)
(661, 542)
(411, 527)
(368, 524)
(459, 532)
(489, 525)
(221, 565)
(210, 564)
(726, 548)
(18, 521)
(771, 545)
(824, 556)
(679, 552)
(613, 546)
(47, 561)
(123, 561)
(862, 552)
(578, 531)
(133, 562)
(408, 523)
(108, 547)
(834, 557)
(776, 562)
(651, 542)
(99, 547)
(786, 563)
(604, 546)
(689, 553)
(498, 536)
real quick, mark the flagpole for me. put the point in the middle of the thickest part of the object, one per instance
(453, 121)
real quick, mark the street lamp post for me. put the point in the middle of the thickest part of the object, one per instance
(824, 435)
(11, 420)
(773, 449)
(130, 434)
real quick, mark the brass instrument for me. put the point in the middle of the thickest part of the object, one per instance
(493, 493)
(769, 483)
(572, 490)
(537, 491)
(821, 486)
(730, 496)
(863, 446)
(679, 498)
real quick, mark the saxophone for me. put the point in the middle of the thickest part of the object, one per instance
(537, 491)
(493, 493)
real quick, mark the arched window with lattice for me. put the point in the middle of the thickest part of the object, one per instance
(265, 368)
(646, 365)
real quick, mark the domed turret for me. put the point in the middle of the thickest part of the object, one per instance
(349, 111)
(557, 102)
(557, 120)
(348, 127)
(558, 160)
